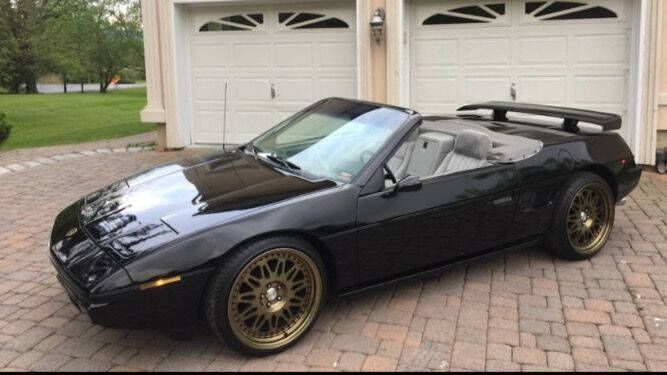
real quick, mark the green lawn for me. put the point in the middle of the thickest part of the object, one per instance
(55, 119)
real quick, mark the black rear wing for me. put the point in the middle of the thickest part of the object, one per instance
(571, 117)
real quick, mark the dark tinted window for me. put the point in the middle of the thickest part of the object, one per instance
(443, 19)
(532, 6)
(591, 13)
(473, 11)
(498, 8)
(331, 23)
(304, 17)
(567, 10)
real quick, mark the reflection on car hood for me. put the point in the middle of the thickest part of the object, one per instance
(220, 183)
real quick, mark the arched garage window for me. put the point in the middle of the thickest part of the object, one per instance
(483, 13)
(240, 22)
(292, 20)
(566, 10)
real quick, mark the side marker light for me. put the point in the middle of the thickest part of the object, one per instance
(160, 282)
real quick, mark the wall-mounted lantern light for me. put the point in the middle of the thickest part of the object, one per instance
(377, 24)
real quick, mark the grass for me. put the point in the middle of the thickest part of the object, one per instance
(56, 119)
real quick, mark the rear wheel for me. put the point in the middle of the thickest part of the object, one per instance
(267, 295)
(584, 218)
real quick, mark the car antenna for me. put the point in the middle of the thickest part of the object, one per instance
(224, 122)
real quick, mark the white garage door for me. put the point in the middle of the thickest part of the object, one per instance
(276, 61)
(550, 52)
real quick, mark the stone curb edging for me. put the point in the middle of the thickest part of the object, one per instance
(38, 162)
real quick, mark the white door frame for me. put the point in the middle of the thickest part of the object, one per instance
(637, 63)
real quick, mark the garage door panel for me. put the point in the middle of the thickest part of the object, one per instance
(600, 89)
(601, 49)
(554, 58)
(301, 62)
(487, 52)
(211, 73)
(294, 90)
(438, 91)
(293, 55)
(209, 89)
(337, 55)
(542, 50)
(250, 120)
(209, 56)
(338, 87)
(251, 90)
(487, 88)
(543, 90)
(209, 129)
(436, 53)
(251, 55)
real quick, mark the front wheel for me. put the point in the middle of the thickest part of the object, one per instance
(583, 218)
(267, 295)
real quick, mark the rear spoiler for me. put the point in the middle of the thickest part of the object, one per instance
(571, 117)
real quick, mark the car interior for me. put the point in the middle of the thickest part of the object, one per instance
(442, 147)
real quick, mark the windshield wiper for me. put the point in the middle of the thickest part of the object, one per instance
(284, 162)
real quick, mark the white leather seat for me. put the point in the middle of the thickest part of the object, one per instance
(471, 151)
(428, 154)
(400, 161)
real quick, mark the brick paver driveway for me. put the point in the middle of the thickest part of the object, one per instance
(523, 311)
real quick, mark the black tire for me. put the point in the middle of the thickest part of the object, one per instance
(561, 239)
(217, 306)
(661, 160)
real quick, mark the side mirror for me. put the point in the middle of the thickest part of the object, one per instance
(409, 183)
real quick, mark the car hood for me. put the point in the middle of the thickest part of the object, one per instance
(135, 214)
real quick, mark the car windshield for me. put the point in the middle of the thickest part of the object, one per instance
(334, 139)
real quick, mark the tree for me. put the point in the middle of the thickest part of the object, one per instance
(23, 22)
(73, 38)
(65, 40)
(9, 50)
(116, 39)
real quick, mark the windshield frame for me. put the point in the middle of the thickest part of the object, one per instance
(253, 149)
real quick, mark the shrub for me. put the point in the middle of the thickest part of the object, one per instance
(5, 128)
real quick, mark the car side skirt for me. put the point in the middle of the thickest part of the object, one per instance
(438, 269)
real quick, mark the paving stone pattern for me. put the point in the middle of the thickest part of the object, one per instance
(523, 311)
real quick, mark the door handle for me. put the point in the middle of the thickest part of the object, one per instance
(273, 91)
(503, 201)
(513, 92)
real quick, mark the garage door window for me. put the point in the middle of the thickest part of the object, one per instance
(487, 13)
(566, 10)
(240, 22)
(310, 21)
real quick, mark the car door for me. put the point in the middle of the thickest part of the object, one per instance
(451, 217)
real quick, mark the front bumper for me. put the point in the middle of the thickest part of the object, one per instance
(133, 307)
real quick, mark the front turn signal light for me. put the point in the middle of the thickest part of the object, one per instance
(160, 282)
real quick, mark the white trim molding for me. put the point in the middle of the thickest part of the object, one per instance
(394, 51)
(154, 111)
(364, 51)
(649, 72)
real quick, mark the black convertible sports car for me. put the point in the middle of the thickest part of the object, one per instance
(341, 197)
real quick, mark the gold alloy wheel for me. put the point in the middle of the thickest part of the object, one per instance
(274, 299)
(589, 219)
